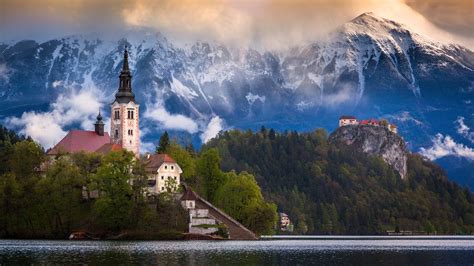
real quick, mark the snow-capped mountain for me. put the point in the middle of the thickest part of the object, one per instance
(369, 67)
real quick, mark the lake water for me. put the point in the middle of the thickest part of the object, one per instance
(386, 251)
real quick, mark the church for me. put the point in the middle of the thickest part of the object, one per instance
(162, 170)
(124, 125)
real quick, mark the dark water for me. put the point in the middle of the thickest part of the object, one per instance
(263, 252)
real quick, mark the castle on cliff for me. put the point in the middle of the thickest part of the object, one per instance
(352, 120)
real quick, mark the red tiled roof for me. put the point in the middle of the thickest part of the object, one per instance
(347, 117)
(364, 122)
(156, 160)
(375, 121)
(80, 140)
(108, 147)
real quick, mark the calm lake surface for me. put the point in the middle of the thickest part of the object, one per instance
(443, 251)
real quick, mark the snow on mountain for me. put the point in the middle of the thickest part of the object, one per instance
(370, 66)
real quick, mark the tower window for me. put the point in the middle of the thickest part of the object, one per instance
(130, 132)
(130, 114)
(116, 114)
(116, 132)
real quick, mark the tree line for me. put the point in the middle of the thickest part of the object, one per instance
(334, 189)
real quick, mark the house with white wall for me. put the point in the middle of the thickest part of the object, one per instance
(164, 173)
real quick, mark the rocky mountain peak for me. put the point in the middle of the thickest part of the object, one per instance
(375, 140)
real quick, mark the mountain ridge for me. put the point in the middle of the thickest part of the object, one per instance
(396, 74)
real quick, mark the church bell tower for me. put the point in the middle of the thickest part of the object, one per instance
(124, 127)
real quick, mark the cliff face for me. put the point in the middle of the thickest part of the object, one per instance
(375, 140)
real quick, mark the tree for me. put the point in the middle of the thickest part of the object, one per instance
(87, 164)
(26, 160)
(164, 143)
(114, 206)
(383, 122)
(208, 170)
(184, 159)
(61, 193)
(242, 199)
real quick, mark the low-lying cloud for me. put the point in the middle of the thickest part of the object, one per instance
(464, 130)
(156, 112)
(215, 125)
(445, 146)
(4, 73)
(70, 108)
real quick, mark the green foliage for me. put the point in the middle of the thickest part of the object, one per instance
(241, 198)
(26, 159)
(209, 172)
(164, 143)
(184, 157)
(114, 206)
(330, 189)
(61, 193)
(51, 197)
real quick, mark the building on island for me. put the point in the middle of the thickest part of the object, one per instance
(393, 128)
(346, 120)
(285, 223)
(124, 125)
(164, 174)
(200, 222)
(206, 219)
(85, 140)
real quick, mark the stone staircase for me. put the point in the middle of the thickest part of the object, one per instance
(236, 230)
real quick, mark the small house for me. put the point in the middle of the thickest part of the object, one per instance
(163, 172)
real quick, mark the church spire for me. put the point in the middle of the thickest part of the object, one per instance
(125, 94)
(125, 61)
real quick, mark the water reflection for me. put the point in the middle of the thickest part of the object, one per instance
(285, 252)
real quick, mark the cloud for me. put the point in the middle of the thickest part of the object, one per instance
(446, 146)
(216, 125)
(147, 147)
(157, 112)
(4, 73)
(57, 83)
(405, 117)
(346, 94)
(42, 127)
(464, 130)
(453, 15)
(70, 108)
(264, 23)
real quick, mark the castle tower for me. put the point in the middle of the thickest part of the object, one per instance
(124, 127)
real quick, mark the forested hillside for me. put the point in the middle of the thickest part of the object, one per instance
(48, 197)
(334, 189)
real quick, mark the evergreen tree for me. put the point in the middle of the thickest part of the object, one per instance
(164, 143)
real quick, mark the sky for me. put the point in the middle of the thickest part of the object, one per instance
(260, 23)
